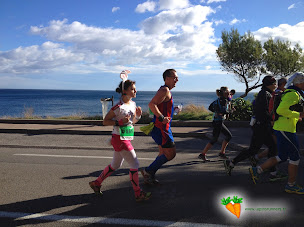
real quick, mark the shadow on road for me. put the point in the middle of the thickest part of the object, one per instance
(187, 194)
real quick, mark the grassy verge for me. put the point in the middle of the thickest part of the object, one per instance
(190, 112)
(193, 112)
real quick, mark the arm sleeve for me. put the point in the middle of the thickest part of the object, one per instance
(262, 107)
(288, 100)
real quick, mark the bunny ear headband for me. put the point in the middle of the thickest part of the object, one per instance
(124, 77)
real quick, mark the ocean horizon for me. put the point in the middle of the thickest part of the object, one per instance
(60, 103)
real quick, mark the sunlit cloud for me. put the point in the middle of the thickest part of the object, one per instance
(148, 6)
(291, 6)
(236, 21)
(114, 9)
(212, 1)
(284, 32)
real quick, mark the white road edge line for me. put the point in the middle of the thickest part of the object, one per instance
(73, 156)
(100, 220)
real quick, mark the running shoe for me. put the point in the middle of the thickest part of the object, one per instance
(148, 178)
(203, 157)
(294, 189)
(96, 187)
(223, 156)
(143, 196)
(228, 167)
(278, 177)
(254, 174)
(253, 161)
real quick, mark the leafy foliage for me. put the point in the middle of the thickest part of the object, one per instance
(248, 60)
(282, 60)
(242, 56)
(243, 110)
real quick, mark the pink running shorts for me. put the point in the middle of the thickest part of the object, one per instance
(120, 145)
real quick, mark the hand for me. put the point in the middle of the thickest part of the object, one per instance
(166, 120)
(126, 119)
(138, 111)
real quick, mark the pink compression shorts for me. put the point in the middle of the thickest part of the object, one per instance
(120, 145)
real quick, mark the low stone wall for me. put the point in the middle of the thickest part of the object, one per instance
(175, 123)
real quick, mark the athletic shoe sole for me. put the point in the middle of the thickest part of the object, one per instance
(147, 197)
(254, 178)
(148, 180)
(278, 179)
(294, 192)
(95, 189)
(204, 160)
(227, 168)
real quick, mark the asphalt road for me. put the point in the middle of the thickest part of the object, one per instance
(44, 182)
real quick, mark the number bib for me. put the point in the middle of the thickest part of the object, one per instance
(126, 132)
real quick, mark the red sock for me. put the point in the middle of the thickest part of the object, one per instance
(105, 173)
(135, 181)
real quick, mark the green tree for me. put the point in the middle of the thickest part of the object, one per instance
(282, 60)
(243, 110)
(242, 56)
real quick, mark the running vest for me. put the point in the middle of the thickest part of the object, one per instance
(167, 110)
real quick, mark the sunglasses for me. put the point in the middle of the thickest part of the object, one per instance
(174, 77)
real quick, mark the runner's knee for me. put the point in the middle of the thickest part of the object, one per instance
(170, 154)
(116, 165)
(280, 160)
(116, 162)
(213, 140)
(228, 138)
(135, 164)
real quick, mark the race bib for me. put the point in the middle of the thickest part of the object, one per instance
(126, 132)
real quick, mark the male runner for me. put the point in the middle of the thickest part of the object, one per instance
(163, 107)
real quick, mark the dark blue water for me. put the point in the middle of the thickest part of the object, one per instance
(58, 103)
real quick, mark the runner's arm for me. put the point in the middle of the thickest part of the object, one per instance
(108, 120)
(288, 100)
(138, 114)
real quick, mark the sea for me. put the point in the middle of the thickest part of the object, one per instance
(61, 103)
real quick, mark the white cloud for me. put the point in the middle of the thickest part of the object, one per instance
(236, 21)
(173, 4)
(182, 34)
(114, 9)
(85, 49)
(291, 6)
(173, 20)
(35, 59)
(146, 6)
(218, 22)
(284, 32)
(212, 1)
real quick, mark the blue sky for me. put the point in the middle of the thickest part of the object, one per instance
(85, 44)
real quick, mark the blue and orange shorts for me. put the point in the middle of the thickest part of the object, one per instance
(162, 137)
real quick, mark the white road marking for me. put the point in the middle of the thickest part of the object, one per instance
(73, 156)
(100, 220)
